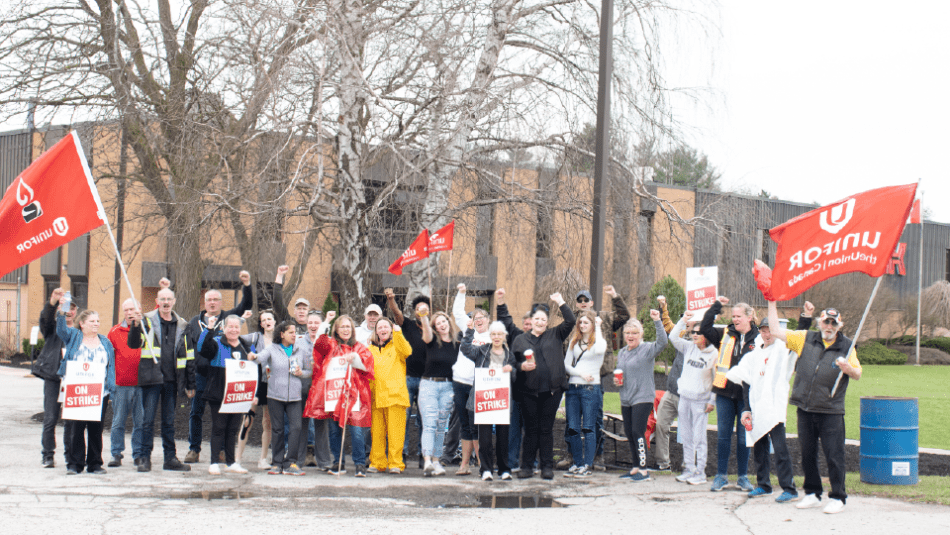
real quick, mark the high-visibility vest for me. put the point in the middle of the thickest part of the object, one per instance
(153, 348)
(724, 362)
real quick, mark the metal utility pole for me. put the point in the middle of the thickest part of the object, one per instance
(602, 158)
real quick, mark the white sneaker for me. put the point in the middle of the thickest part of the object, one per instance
(236, 468)
(263, 464)
(697, 479)
(809, 501)
(437, 469)
(506, 476)
(428, 470)
(834, 506)
(214, 469)
(684, 477)
(486, 476)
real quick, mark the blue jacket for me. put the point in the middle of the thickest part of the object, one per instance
(72, 339)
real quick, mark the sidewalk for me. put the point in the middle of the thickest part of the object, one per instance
(37, 500)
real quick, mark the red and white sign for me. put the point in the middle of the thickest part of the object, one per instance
(336, 383)
(441, 240)
(83, 391)
(416, 252)
(492, 396)
(702, 287)
(240, 386)
(52, 202)
(858, 233)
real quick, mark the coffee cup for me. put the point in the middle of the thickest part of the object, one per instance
(618, 376)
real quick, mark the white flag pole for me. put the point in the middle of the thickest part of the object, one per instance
(448, 280)
(115, 246)
(920, 280)
(854, 341)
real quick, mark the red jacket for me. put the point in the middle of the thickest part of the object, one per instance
(324, 350)
(126, 359)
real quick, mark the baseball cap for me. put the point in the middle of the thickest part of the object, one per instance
(302, 301)
(832, 314)
(584, 293)
(373, 308)
(764, 323)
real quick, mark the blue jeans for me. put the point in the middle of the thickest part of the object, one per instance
(197, 413)
(357, 442)
(169, 401)
(150, 396)
(126, 399)
(582, 402)
(435, 405)
(412, 383)
(728, 412)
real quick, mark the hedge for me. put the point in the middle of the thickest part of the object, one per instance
(877, 353)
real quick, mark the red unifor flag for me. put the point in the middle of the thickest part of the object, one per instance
(441, 240)
(857, 233)
(52, 202)
(416, 252)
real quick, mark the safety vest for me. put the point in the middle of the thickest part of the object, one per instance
(724, 362)
(153, 348)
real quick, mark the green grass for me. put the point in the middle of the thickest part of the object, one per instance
(927, 383)
(930, 489)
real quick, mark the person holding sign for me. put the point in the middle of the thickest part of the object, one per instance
(343, 369)
(390, 396)
(637, 389)
(288, 364)
(214, 352)
(45, 367)
(585, 354)
(540, 355)
(90, 349)
(463, 377)
(435, 389)
(497, 358)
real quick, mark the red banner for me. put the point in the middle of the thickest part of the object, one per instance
(442, 239)
(915, 213)
(857, 233)
(416, 252)
(51, 203)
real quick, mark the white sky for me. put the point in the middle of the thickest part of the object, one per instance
(814, 101)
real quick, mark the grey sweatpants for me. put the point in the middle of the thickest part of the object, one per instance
(692, 427)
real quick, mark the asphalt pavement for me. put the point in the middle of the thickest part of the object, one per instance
(123, 501)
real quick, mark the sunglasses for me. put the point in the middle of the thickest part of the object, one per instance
(830, 321)
(697, 333)
(583, 300)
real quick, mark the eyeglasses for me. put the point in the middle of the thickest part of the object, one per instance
(830, 321)
(583, 300)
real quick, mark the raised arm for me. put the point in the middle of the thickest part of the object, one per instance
(398, 317)
(774, 326)
(458, 309)
(709, 319)
(665, 314)
(661, 338)
(403, 349)
(621, 312)
(564, 329)
(426, 329)
(676, 334)
(247, 297)
(470, 351)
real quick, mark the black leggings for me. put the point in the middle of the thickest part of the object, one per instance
(635, 426)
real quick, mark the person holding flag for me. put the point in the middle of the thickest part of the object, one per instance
(45, 367)
(86, 345)
(823, 357)
(342, 371)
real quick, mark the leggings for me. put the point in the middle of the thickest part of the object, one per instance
(635, 426)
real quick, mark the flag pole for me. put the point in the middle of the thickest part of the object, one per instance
(429, 275)
(920, 278)
(346, 413)
(857, 334)
(448, 280)
(115, 246)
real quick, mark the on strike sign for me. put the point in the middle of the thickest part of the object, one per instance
(702, 287)
(83, 391)
(240, 386)
(335, 383)
(492, 394)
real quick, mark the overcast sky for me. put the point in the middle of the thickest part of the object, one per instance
(814, 101)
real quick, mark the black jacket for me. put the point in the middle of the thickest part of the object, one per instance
(731, 390)
(501, 311)
(197, 324)
(550, 375)
(48, 361)
(481, 355)
(816, 373)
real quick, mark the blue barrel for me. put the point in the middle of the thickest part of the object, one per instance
(889, 438)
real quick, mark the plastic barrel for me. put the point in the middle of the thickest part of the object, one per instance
(889, 438)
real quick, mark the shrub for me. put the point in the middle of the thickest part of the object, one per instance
(676, 305)
(877, 353)
(941, 342)
(330, 304)
(37, 347)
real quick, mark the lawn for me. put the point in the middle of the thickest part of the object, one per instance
(927, 383)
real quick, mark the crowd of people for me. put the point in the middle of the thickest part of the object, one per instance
(326, 378)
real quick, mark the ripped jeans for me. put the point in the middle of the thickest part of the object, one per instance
(435, 405)
(581, 404)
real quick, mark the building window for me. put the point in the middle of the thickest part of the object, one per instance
(80, 294)
(946, 271)
(764, 248)
(397, 222)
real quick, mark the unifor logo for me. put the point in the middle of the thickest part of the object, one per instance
(491, 372)
(85, 366)
(701, 271)
(835, 219)
(60, 226)
(24, 196)
(242, 363)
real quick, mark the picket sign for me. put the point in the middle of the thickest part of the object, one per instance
(240, 386)
(492, 396)
(702, 287)
(336, 384)
(83, 391)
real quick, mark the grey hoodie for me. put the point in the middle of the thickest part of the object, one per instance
(281, 385)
